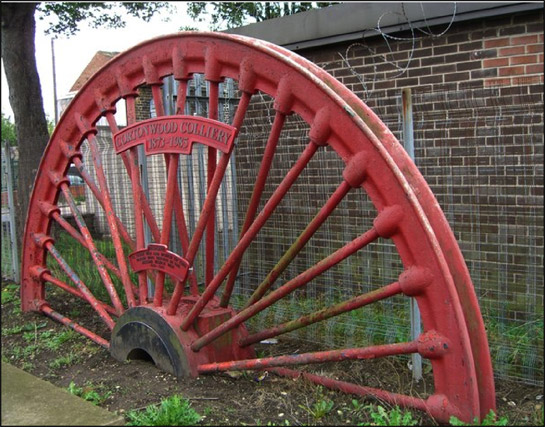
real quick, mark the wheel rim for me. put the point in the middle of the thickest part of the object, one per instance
(434, 272)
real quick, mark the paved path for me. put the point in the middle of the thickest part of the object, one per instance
(31, 401)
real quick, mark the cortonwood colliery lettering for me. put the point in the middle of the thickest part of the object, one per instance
(175, 134)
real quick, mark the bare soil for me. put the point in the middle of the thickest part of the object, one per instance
(235, 398)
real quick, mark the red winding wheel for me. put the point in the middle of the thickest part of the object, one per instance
(155, 299)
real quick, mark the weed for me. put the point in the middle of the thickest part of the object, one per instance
(28, 366)
(172, 411)
(270, 423)
(27, 327)
(320, 408)
(56, 340)
(490, 420)
(89, 392)
(9, 293)
(64, 361)
(394, 417)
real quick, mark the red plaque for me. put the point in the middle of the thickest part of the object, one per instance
(157, 257)
(175, 134)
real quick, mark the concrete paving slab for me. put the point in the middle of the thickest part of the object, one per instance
(31, 401)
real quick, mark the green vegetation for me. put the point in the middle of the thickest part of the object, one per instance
(393, 417)
(320, 408)
(172, 411)
(23, 328)
(80, 261)
(234, 14)
(63, 361)
(93, 393)
(10, 293)
(8, 131)
(490, 420)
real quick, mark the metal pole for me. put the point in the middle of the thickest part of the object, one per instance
(11, 207)
(54, 81)
(143, 166)
(408, 142)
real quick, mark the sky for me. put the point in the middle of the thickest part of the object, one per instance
(73, 54)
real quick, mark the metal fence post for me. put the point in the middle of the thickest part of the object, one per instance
(11, 208)
(408, 142)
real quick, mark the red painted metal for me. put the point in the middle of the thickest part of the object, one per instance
(211, 167)
(301, 241)
(260, 182)
(245, 241)
(326, 313)
(437, 406)
(429, 344)
(48, 311)
(287, 288)
(213, 334)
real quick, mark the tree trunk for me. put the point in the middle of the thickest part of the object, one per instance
(25, 98)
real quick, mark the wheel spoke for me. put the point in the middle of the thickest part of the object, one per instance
(211, 168)
(201, 225)
(60, 284)
(97, 193)
(92, 248)
(392, 398)
(237, 123)
(301, 280)
(76, 327)
(300, 242)
(370, 352)
(130, 161)
(324, 314)
(243, 244)
(79, 238)
(268, 155)
(112, 223)
(46, 242)
(167, 221)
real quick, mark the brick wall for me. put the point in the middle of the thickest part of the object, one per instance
(477, 94)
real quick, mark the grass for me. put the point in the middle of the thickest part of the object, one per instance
(491, 419)
(393, 417)
(172, 411)
(320, 408)
(9, 293)
(64, 361)
(91, 392)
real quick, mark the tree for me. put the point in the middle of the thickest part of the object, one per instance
(234, 14)
(25, 97)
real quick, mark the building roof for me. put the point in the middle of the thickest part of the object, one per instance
(357, 20)
(100, 58)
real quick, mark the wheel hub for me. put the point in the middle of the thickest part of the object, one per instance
(149, 329)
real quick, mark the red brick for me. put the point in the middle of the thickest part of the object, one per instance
(534, 48)
(496, 62)
(534, 69)
(523, 40)
(506, 51)
(511, 71)
(524, 81)
(527, 59)
(496, 42)
(497, 82)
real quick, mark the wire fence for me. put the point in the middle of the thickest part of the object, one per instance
(485, 166)
(10, 258)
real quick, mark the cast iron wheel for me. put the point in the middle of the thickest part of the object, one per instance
(153, 291)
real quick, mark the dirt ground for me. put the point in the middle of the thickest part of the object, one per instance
(31, 341)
